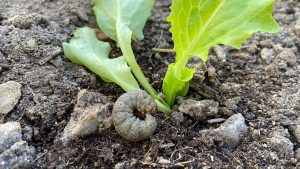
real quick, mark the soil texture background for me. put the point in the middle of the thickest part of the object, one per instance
(261, 82)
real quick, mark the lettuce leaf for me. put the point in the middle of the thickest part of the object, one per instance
(198, 25)
(85, 49)
(132, 14)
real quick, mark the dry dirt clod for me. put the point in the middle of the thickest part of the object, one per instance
(232, 131)
(282, 145)
(212, 75)
(132, 115)
(231, 87)
(267, 55)
(31, 45)
(10, 93)
(199, 110)
(221, 54)
(177, 117)
(91, 113)
(24, 20)
(288, 56)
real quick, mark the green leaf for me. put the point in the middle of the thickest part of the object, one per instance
(197, 25)
(132, 13)
(85, 49)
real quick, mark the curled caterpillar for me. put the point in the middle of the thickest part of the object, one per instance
(132, 115)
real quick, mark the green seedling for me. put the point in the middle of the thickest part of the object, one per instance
(196, 26)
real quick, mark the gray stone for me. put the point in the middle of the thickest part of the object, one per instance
(17, 156)
(281, 144)
(10, 133)
(288, 56)
(199, 110)
(91, 114)
(31, 45)
(10, 93)
(232, 130)
(266, 55)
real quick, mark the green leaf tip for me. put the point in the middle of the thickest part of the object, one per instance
(132, 13)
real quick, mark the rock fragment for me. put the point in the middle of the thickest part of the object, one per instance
(10, 133)
(267, 55)
(19, 155)
(10, 93)
(219, 51)
(24, 20)
(91, 114)
(199, 110)
(280, 142)
(212, 75)
(15, 153)
(230, 106)
(230, 87)
(288, 56)
(31, 45)
(232, 131)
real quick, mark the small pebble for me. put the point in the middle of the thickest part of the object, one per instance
(31, 44)
(232, 131)
(199, 110)
(10, 93)
(288, 56)
(267, 55)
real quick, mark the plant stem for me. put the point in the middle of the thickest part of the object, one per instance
(124, 38)
(161, 107)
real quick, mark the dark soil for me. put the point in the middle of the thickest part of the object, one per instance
(31, 36)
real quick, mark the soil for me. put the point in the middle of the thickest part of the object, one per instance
(263, 78)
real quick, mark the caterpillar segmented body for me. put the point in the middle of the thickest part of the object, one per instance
(132, 115)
